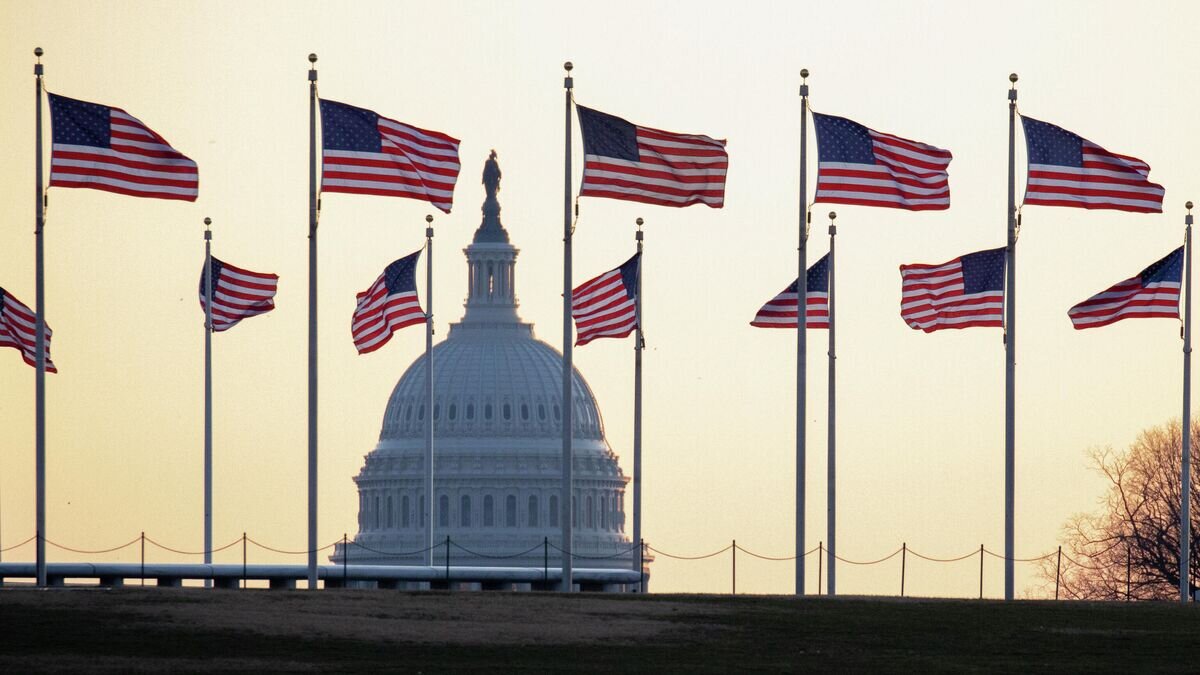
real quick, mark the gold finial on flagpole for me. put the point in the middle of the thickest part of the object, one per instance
(803, 75)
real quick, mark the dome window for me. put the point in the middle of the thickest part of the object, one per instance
(553, 511)
(510, 510)
(453, 411)
(470, 411)
(533, 511)
(557, 413)
(444, 511)
(464, 511)
(507, 411)
(408, 413)
(524, 412)
(489, 511)
(487, 411)
(421, 412)
(542, 412)
(437, 411)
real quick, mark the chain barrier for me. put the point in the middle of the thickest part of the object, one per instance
(1042, 557)
(893, 554)
(692, 557)
(15, 546)
(105, 550)
(972, 554)
(468, 551)
(174, 550)
(618, 554)
(397, 554)
(277, 550)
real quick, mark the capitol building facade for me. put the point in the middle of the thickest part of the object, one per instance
(497, 428)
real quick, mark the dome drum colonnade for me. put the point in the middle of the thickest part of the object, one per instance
(497, 426)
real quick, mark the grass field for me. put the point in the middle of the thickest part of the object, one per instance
(183, 630)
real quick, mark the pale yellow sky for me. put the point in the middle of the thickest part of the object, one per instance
(920, 426)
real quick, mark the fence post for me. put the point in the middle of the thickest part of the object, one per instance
(1058, 573)
(447, 562)
(903, 565)
(820, 557)
(545, 559)
(143, 566)
(1128, 567)
(733, 576)
(243, 560)
(642, 567)
(981, 571)
(345, 560)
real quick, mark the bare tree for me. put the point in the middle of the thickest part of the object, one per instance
(1129, 547)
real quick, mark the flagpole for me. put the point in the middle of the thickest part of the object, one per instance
(313, 209)
(1185, 471)
(40, 339)
(568, 468)
(638, 346)
(802, 335)
(208, 331)
(831, 465)
(1010, 345)
(429, 390)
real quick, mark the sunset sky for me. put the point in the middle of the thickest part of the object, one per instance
(921, 417)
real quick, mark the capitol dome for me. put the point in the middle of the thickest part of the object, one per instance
(497, 441)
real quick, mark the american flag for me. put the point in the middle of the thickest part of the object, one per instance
(857, 165)
(626, 161)
(366, 153)
(1153, 293)
(1067, 170)
(103, 148)
(237, 294)
(967, 291)
(780, 312)
(606, 307)
(387, 306)
(18, 329)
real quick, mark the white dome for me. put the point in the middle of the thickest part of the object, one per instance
(490, 382)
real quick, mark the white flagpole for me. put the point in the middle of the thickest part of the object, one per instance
(313, 209)
(1010, 346)
(568, 468)
(831, 466)
(802, 336)
(429, 390)
(638, 346)
(208, 331)
(1185, 471)
(40, 339)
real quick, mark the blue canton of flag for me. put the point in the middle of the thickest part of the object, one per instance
(1066, 169)
(781, 311)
